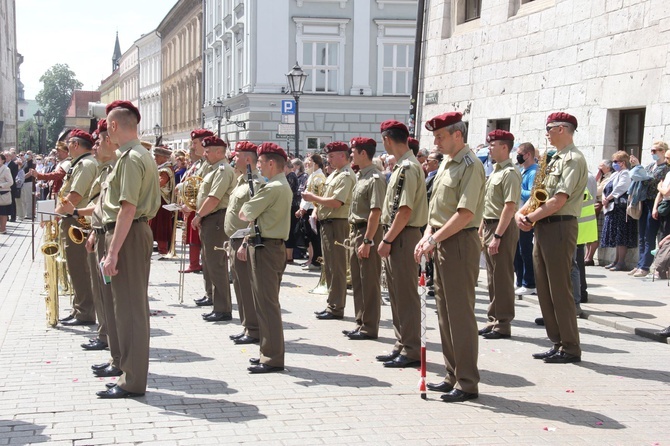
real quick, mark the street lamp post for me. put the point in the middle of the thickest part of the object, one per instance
(39, 120)
(218, 114)
(229, 113)
(30, 136)
(296, 83)
(158, 133)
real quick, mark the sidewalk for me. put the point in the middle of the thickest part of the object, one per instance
(333, 391)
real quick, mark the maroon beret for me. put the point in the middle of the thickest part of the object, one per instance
(361, 142)
(413, 143)
(270, 148)
(562, 117)
(443, 120)
(76, 133)
(95, 135)
(336, 146)
(392, 124)
(124, 104)
(499, 135)
(213, 141)
(200, 133)
(102, 126)
(246, 146)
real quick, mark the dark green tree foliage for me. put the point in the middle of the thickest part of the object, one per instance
(59, 82)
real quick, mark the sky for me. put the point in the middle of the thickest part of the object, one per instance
(80, 33)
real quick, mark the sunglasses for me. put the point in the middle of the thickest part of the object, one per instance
(549, 127)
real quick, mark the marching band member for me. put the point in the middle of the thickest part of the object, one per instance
(163, 223)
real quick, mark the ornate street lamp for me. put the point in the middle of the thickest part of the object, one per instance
(229, 113)
(218, 114)
(296, 79)
(158, 133)
(39, 120)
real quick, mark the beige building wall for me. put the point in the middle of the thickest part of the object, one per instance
(110, 89)
(8, 75)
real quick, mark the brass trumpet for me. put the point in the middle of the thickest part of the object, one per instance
(346, 244)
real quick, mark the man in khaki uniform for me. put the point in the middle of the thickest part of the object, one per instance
(213, 198)
(503, 190)
(404, 212)
(555, 225)
(271, 209)
(245, 155)
(130, 198)
(76, 190)
(455, 214)
(365, 235)
(332, 212)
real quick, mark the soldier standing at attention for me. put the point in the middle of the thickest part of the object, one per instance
(271, 209)
(130, 198)
(503, 189)
(555, 223)
(404, 212)
(455, 214)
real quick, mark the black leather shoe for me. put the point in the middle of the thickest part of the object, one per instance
(539, 321)
(402, 361)
(264, 368)
(246, 340)
(110, 385)
(110, 370)
(348, 332)
(359, 336)
(76, 322)
(216, 317)
(117, 392)
(204, 303)
(390, 357)
(320, 312)
(328, 316)
(202, 299)
(546, 354)
(458, 396)
(204, 315)
(440, 387)
(254, 361)
(562, 358)
(66, 318)
(95, 344)
(495, 335)
(236, 336)
(104, 365)
(485, 330)
(663, 333)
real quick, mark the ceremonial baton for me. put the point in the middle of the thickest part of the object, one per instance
(422, 285)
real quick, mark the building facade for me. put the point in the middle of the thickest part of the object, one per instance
(181, 60)
(77, 113)
(129, 75)
(149, 52)
(110, 88)
(358, 55)
(8, 75)
(508, 63)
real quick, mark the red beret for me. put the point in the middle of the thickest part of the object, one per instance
(124, 104)
(76, 133)
(102, 126)
(499, 135)
(413, 143)
(213, 141)
(443, 120)
(95, 135)
(336, 146)
(200, 133)
(562, 117)
(361, 142)
(392, 124)
(162, 150)
(269, 148)
(246, 146)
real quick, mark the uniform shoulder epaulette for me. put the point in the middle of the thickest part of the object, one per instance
(375, 176)
(468, 160)
(222, 167)
(405, 163)
(346, 173)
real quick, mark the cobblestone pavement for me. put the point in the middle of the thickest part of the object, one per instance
(333, 391)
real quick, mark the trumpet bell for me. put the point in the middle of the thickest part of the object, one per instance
(76, 234)
(541, 195)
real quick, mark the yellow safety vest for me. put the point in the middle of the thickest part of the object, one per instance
(587, 223)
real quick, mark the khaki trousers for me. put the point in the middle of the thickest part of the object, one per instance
(243, 293)
(96, 287)
(402, 277)
(76, 258)
(335, 262)
(107, 306)
(267, 267)
(500, 274)
(366, 283)
(215, 261)
(455, 278)
(555, 245)
(131, 305)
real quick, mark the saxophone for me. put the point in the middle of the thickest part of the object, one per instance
(78, 234)
(538, 194)
(51, 248)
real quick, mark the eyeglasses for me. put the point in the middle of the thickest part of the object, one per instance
(549, 127)
(616, 162)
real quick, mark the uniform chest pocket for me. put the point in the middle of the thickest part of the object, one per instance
(553, 178)
(239, 194)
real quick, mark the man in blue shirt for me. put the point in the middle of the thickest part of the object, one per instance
(523, 260)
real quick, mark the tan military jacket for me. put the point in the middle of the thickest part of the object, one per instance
(368, 194)
(339, 185)
(238, 197)
(219, 182)
(413, 194)
(271, 208)
(567, 173)
(79, 178)
(502, 186)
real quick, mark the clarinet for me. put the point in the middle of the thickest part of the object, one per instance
(258, 240)
(398, 192)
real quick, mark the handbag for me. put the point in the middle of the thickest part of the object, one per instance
(634, 210)
(5, 198)
(664, 208)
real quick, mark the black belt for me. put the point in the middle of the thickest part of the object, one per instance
(214, 213)
(266, 240)
(361, 225)
(556, 218)
(99, 231)
(331, 220)
(387, 227)
(488, 221)
(110, 226)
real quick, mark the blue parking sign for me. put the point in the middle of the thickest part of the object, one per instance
(288, 107)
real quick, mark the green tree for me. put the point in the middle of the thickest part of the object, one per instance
(59, 84)
(28, 138)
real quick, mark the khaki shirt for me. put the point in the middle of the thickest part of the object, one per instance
(203, 169)
(502, 186)
(459, 184)
(238, 197)
(339, 185)
(134, 179)
(80, 177)
(271, 208)
(413, 194)
(104, 170)
(219, 182)
(567, 173)
(368, 194)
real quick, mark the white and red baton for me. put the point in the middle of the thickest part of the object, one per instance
(422, 293)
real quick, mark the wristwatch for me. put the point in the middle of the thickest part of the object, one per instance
(75, 213)
(432, 241)
(367, 241)
(528, 220)
(497, 236)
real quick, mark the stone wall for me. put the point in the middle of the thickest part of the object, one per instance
(8, 75)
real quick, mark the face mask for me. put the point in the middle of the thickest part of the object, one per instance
(616, 167)
(519, 159)
(655, 157)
